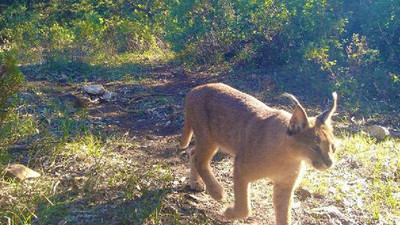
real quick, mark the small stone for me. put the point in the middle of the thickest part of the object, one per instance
(109, 96)
(378, 132)
(95, 89)
(21, 172)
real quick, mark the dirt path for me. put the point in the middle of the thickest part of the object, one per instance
(150, 112)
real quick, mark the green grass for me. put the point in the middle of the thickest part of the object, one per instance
(89, 175)
(86, 146)
(79, 166)
(17, 128)
(365, 179)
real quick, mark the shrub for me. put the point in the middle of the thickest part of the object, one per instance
(11, 79)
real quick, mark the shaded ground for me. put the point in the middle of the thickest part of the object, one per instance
(148, 112)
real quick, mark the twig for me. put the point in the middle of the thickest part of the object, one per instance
(55, 187)
(51, 203)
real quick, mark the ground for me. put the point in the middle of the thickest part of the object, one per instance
(126, 167)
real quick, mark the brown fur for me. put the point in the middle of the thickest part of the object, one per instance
(266, 142)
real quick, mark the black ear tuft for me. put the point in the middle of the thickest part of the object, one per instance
(325, 117)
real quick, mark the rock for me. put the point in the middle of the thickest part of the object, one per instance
(95, 89)
(21, 172)
(378, 132)
(109, 96)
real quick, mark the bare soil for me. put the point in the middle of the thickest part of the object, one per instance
(151, 113)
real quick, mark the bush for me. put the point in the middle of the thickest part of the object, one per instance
(62, 32)
(320, 45)
(11, 80)
(311, 46)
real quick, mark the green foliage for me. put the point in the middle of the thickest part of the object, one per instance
(216, 31)
(4, 157)
(351, 47)
(11, 80)
(63, 32)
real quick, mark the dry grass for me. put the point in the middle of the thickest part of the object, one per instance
(94, 172)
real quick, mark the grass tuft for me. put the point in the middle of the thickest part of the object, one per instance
(364, 180)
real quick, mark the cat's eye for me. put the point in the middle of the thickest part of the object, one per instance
(316, 149)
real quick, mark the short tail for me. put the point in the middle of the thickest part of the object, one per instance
(186, 133)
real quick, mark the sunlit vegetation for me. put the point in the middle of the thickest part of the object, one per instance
(93, 172)
(369, 178)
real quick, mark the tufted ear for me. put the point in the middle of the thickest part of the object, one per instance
(325, 117)
(299, 120)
